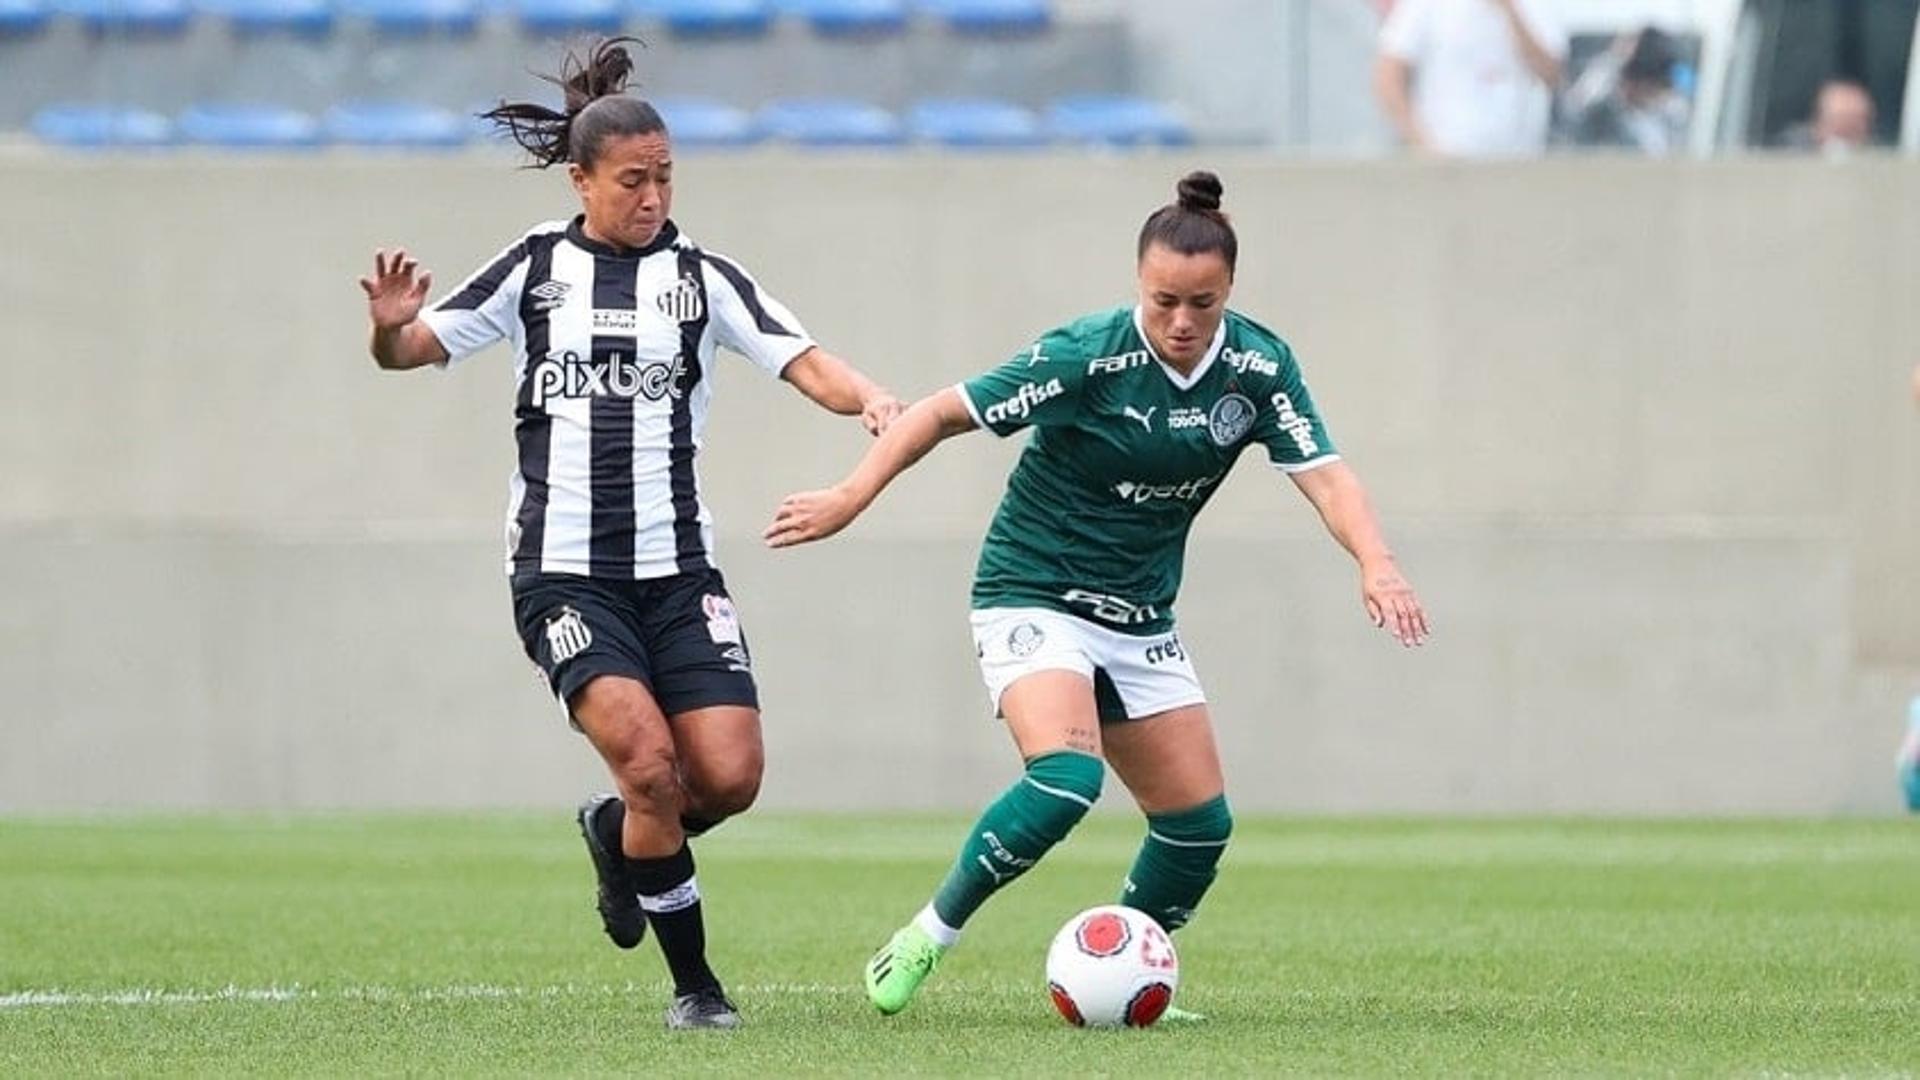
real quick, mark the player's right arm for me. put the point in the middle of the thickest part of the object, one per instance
(395, 294)
(816, 515)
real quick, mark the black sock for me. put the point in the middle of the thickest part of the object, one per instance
(696, 826)
(610, 824)
(671, 898)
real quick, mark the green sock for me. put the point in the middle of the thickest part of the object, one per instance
(1028, 818)
(1177, 861)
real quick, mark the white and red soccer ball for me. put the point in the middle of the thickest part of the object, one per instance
(1112, 966)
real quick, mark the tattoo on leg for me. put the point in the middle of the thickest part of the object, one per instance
(1082, 740)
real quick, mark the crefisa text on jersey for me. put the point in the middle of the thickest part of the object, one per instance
(1023, 401)
(1252, 360)
(619, 375)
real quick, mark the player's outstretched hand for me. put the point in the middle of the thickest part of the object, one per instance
(1392, 604)
(811, 515)
(879, 411)
(395, 293)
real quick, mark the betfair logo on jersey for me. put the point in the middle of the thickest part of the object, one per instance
(1024, 400)
(1297, 427)
(619, 375)
(1252, 360)
(1185, 491)
(1106, 365)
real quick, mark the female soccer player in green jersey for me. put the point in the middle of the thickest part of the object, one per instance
(1138, 413)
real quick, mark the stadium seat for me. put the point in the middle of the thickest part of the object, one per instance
(395, 124)
(831, 122)
(249, 127)
(127, 16)
(18, 18)
(708, 18)
(704, 122)
(1113, 120)
(415, 18)
(311, 18)
(101, 126)
(995, 17)
(969, 123)
(841, 18)
(561, 17)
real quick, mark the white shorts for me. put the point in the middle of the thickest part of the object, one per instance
(1132, 676)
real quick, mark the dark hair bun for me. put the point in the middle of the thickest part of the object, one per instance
(1200, 191)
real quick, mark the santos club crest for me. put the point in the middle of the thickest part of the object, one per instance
(682, 301)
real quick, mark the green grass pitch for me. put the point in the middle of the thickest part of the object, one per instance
(467, 944)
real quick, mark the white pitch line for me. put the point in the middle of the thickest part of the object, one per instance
(149, 996)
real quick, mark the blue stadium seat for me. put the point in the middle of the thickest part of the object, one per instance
(415, 18)
(996, 17)
(101, 126)
(127, 16)
(827, 122)
(570, 16)
(307, 17)
(848, 17)
(1114, 120)
(395, 124)
(249, 127)
(18, 18)
(708, 18)
(971, 123)
(704, 122)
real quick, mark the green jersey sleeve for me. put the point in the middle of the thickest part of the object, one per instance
(1289, 424)
(1039, 386)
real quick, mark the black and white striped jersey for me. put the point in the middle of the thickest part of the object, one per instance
(614, 366)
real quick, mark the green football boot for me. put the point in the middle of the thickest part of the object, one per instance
(898, 969)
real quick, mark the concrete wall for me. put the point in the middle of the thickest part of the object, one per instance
(1639, 432)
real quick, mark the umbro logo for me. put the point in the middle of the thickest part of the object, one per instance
(1145, 418)
(549, 295)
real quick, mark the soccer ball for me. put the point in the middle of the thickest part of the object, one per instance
(1112, 966)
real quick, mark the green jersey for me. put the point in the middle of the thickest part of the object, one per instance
(1125, 452)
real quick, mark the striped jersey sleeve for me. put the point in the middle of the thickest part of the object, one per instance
(750, 322)
(483, 309)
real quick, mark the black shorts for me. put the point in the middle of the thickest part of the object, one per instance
(678, 635)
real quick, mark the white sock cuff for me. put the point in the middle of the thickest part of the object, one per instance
(679, 898)
(929, 922)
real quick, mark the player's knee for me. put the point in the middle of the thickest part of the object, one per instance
(1207, 826)
(648, 775)
(729, 793)
(1068, 784)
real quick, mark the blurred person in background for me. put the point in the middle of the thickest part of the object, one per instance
(613, 318)
(1138, 413)
(1470, 78)
(1842, 121)
(1626, 100)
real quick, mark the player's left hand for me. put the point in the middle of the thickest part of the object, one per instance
(1392, 604)
(811, 515)
(879, 411)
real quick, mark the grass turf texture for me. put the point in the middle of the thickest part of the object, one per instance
(468, 944)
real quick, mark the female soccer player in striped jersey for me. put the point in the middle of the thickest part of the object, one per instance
(613, 318)
(1139, 414)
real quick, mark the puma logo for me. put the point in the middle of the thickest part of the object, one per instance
(1145, 418)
